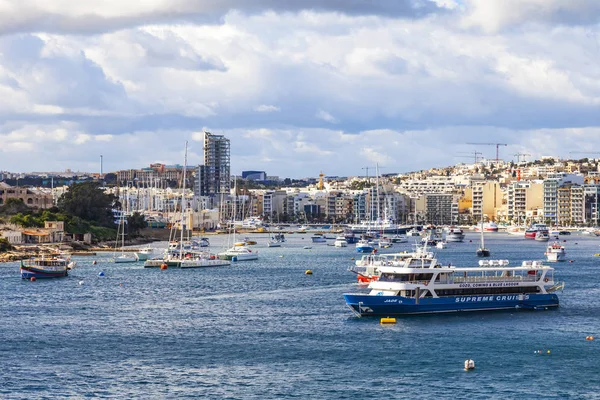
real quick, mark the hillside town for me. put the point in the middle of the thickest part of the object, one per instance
(550, 190)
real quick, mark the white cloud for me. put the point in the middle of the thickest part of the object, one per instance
(325, 116)
(392, 80)
(104, 138)
(493, 15)
(70, 16)
(266, 108)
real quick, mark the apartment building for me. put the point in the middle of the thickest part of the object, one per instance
(551, 204)
(487, 198)
(441, 208)
(523, 196)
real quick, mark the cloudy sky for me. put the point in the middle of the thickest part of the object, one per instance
(299, 86)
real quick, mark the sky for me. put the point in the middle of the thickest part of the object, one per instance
(299, 86)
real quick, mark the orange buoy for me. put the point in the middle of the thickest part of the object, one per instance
(164, 266)
(32, 279)
(589, 338)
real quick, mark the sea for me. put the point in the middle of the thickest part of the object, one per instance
(266, 330)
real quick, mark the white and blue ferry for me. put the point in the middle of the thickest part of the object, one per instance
(433, 288)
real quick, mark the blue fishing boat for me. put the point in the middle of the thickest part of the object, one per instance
(435, 289)
(364, 246)
(46, 267)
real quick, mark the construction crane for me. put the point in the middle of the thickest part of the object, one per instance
(475, 155)
(376, 168)
(491, 144)
(523, 155)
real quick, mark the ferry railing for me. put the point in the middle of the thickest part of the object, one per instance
(465, 280)
(478, 279)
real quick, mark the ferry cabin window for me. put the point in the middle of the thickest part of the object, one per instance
(387, 277)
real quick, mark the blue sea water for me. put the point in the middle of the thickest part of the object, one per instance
(265, 330)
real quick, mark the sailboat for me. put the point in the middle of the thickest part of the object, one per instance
(237, 252)
(178, 256)
(123, 257)
(482, 251)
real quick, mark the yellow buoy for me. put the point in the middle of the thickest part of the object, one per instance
(308, 272)
(387, 320)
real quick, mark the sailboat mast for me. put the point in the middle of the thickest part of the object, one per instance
(183, 200)
(377, 194)
(482, 245)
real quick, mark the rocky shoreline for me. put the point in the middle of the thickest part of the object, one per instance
(23, 252)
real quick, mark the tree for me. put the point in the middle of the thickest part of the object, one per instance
(88, 202)
(5, 245)
(14, 206)
(110, 178)
(136, 222)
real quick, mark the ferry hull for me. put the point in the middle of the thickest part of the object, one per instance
(384, 306)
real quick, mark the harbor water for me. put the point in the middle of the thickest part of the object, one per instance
(266, 330)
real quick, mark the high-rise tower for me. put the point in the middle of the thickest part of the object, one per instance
(213, 178)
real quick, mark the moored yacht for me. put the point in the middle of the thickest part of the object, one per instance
(455, 234)
(414, 232)
(542, 236)
(340, 241)
(318, 238)
(494, 285)
(144, 253)
(399, 238)
(487, 227)
(239, 253)
(555, 252)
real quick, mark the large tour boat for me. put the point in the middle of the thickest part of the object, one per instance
(532, 231)
(46, 267)
(494, 285)
(381, 226)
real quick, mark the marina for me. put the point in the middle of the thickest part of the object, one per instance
(221, 319)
